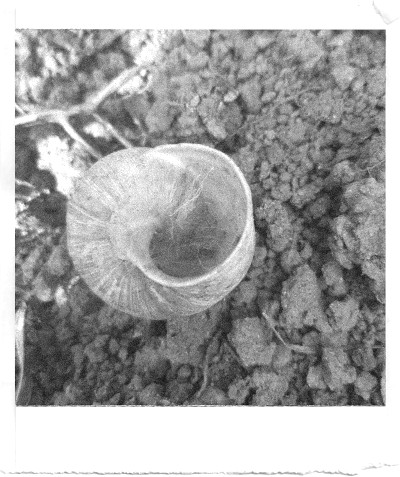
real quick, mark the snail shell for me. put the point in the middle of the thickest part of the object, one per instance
(162, 232)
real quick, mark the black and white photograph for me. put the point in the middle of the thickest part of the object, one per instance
(200, 217)
(199, 209)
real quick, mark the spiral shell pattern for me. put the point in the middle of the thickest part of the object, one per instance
(118, 206)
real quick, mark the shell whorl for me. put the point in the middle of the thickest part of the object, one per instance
(120, 205)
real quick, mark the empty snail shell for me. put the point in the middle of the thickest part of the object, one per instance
(162, 232)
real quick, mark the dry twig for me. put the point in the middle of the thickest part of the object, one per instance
(63, 121)
(89, 107)
(109, 127)
(61, 116)
(293, 347)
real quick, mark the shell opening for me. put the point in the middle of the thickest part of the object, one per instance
(190, 241)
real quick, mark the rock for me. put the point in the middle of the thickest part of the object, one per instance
(383, 387)
(246, 293)
(199, 38)
(376, 82)
(114, 400)
(290, 258)
(160, 117)
(135, 385)
(282, 357)
(109, 318)
(187, 335)
(302, 302)
(251, 94)
(246, 159)
(364, 357)
(260, 254)
(277, 222)
(297, 131)
(32, 264)
(337, 370)
(59, 262)
(305, 45)
(82, 300)
(123, 354)
(239, 390)
(78, 355)
(42, 288)
(103, 392)
(344, 75)
(365, 384)
(74, 394)
(306, 194)
(113, 346)
(343, 315)
(315, 377)
(333, 276)
(271, 388)
(179, 392)
(184, 373)
(151, 395)
(268, 96)
(341, 39)
(94, 353)
(249, 338)
(151, 364)
(213, 396)
(25, 162)
(359, 235)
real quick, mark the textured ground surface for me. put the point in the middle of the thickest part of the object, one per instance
(302, 114)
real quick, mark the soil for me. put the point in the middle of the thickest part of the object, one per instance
(302, 113)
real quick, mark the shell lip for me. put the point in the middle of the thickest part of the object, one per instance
(170, 281)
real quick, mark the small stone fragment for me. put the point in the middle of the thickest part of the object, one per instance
(282, 357)
(305, 45)
(42, 289)
(344, 75)
(249, 339)
(343, 315)
(246, 292)
(315, 377)
(246, 160)
(59, 262)
(301, 300)
(337, 370)
(113, 346)
(271, 388)
(239, 390)
(251, 94)
(333, 276)
(179, 392)
(365, 384)
(277, 222)
(186, 336)
(214, 396)
(32, 264)
(184, 373)
(160, 117)
(151, 395)
(94, 353)
(199, 38)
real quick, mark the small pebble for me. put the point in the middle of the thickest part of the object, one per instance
(184, 373)
(344, 75)
(214, 397)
